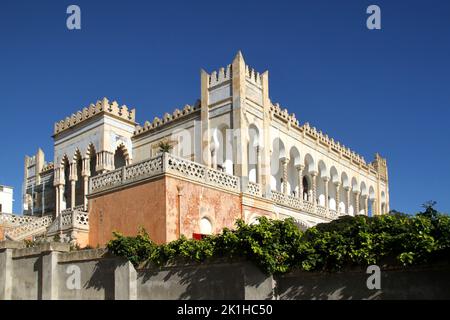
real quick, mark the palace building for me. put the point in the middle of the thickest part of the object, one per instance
(234, 154)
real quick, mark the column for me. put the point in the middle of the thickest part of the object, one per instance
(374, 207)
(338, 195)
(214, 159)
(314, 187)
(347, 200)
(357, 193)
(125, 281)
(284, 163)
(258, 165)
(73, 180)
(58, 183)
(366, 204)
(299, 168)
(61, 196)
(325, 181)
(57, 200)
(86, 174)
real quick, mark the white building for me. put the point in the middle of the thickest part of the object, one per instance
(6, 199)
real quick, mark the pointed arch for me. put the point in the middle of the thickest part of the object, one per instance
(253, 153)
(276, 168)
(91, 154)
(321, 181)
(332, 189)
(293, 180)
(222, 148)
(371, 201)
(121, 156)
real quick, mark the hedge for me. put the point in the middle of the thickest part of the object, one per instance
(278, 246)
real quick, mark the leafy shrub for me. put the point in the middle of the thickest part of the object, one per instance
(135, 249)
(278, 246)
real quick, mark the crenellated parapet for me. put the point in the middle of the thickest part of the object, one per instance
(334, 145)
(253, 76)
(167, 118)
(100, 107)
(283, 114)
(324, 139)
(225, 74)
(220, 76)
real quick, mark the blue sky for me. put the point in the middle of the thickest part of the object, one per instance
(374, 90)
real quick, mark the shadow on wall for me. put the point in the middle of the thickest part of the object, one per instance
(102, 278)
(204, 281)
(396, 284)
(325, 286)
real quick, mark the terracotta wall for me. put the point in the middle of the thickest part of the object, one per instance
(166, 208)
(127, 209)
(190, 202)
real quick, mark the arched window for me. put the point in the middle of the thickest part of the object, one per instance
(205, 226)
(305, 189)
(92, 161)
(119, 158)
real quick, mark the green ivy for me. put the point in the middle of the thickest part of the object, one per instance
(278, 246)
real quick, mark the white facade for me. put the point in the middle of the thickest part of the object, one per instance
(6, 199)
(290, 169)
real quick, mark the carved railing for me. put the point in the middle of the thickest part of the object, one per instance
(254, 189)
(36, 227)
(333, 214)
(189, 170)
(286, 200)
(308, 206)
(321, 211)
(164, 163)
(69, 219)
(13, 220)
(125, 175)
(106, 181)
(297, 204)
(197, 172)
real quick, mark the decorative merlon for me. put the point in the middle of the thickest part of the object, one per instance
(218, 77)
(100, 107)
(167, 118)
(48, 167)
(336, 146)
(253, 75)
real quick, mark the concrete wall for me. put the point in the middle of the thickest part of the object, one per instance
(50, 271)
(219, 280)
(425, 282)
